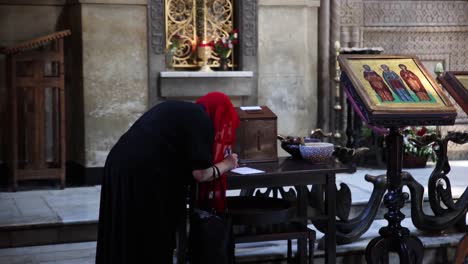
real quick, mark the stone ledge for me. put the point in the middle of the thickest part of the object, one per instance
(195, 84)
(196, 87)
(48, 234)
(197, 74)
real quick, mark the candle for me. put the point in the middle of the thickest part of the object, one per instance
(204, 44)
(439, 68)
(204, 18)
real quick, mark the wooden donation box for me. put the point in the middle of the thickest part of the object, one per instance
(256, 135)
(36, 109)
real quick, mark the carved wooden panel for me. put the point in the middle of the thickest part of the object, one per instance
(36, 139)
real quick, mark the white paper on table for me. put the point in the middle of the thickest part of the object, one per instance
(250, 108)
(246, 170)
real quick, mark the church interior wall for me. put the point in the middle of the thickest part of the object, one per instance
(109, 79)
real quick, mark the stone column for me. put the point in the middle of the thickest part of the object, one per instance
(334, 36)
(288, 61)
(323, 120)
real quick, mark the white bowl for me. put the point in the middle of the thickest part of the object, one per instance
(317, 152)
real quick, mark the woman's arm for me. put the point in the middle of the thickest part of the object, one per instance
(229, 163)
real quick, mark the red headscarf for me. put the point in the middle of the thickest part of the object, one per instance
(225, 121)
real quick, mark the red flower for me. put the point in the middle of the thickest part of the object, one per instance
(223, 46)
(421, 132)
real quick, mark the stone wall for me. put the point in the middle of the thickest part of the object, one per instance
(107, 65)
(115, 83)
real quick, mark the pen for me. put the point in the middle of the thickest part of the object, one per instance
(227, 152)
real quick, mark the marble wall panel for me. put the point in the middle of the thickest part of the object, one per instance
(288, 64)
(114, 74)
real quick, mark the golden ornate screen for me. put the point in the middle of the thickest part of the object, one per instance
(195, 21)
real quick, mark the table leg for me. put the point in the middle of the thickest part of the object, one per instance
(330, 237)
(302, 195)
(182, 239)
(302, 247)
(181, 245)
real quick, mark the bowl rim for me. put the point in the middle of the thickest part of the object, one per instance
(317, 144)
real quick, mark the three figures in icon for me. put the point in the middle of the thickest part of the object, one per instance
(392, 82)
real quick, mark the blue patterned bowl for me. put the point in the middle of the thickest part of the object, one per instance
(293, 147)
(316, 152)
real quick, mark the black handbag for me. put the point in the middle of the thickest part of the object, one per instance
(210, 235)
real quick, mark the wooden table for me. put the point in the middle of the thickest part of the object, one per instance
(298, 173)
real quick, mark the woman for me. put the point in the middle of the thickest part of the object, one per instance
(225, 121)
(143, 195)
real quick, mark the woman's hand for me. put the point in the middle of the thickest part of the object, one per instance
(229, 163)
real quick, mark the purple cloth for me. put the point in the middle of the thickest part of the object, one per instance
(376, 129)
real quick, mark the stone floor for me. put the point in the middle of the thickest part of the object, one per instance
(73, 206)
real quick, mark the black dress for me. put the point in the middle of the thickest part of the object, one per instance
(145, 180)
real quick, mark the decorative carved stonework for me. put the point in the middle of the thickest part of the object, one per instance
(415, 13)
(426, 40)
(351, 13)
(249, 27)
(157, 26)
